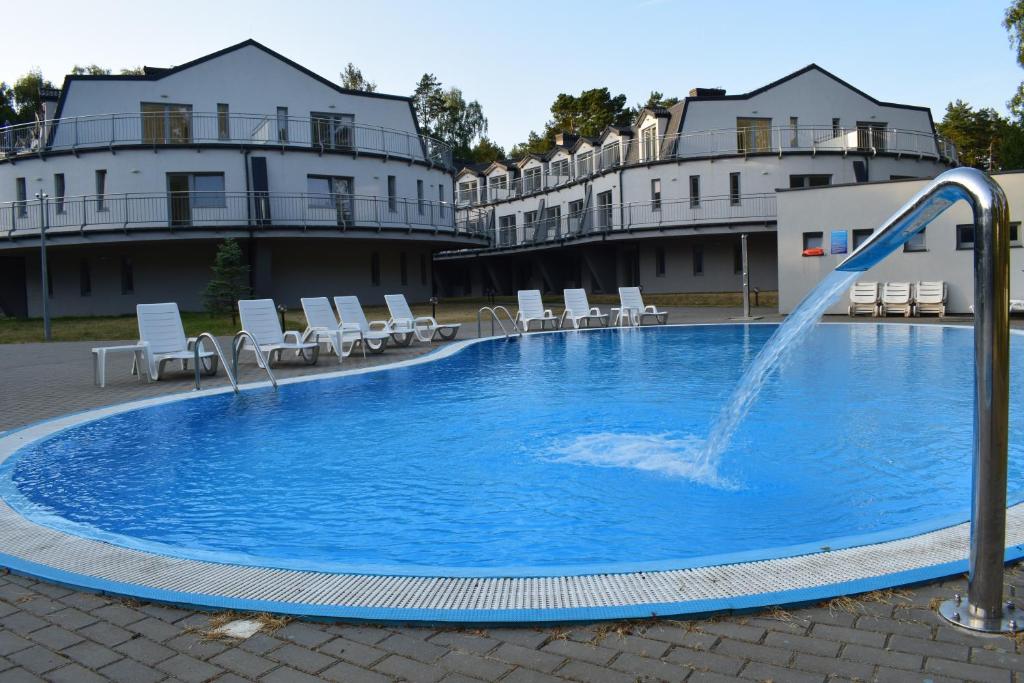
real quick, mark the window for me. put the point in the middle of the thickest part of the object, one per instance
(965, 235)
(649, 143)
(467, 192)
(605, 218)
(420, 201)
(127, 276)
(656, 194)
(529, 218)
(423, 269)
(916, 242)
(553, 218)
(208, 191)
(223, 122)
(812, 180)
(659, 261)
(871, 135)
(584, 164)
(734, 189)
(576, 207)
(737, 258)
(498, 186)
(282, 124)
(84, 278)
(753, 135)
(698, 259)
(814, 240)
(1015, 240)
(403, 268)
(440, 192)
(794, 131)
(164, 124)
(21, 196)
(860, 171)
(101, 189)
(331, 131)
(559, 170)
(392, 193)
(610, 155)
(58, 191)
(836, 128)
(694, 191)
(861, 236)
(531, 179)
(331, 192)
(375, 269)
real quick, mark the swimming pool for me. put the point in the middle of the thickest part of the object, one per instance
(554, 455)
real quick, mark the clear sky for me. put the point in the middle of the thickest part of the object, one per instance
(515, 57)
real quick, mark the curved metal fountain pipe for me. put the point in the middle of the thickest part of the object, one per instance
(984, 609)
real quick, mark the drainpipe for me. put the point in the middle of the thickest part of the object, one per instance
(622, 210)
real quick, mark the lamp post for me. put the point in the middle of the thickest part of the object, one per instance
(47, 335)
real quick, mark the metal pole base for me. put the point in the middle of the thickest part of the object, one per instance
(957, 613)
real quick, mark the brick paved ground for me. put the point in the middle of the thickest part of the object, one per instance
(52, 633)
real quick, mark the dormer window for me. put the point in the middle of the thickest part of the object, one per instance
(531, 179)
(166, 124)
(497, 186)
(584, 163)
(649, 143)
(610, 155)
(559, 171)
(467, 192)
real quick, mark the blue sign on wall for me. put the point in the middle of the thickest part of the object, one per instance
(839, 242)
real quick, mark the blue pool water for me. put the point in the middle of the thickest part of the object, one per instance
(566, 453)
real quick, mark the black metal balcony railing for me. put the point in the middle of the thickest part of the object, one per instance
(183, 210)
(611, 218)
(718, 143)
(326, 133)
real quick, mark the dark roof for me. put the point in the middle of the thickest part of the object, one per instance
(476, 167)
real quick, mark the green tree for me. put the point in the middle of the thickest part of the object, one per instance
(486, 150)
(7, 111)
(447, 116)
(983, 138)
(25, 92)
(1013, 22)
(586, 114)
(89, 70)
(133, 71)
(655, 99)
(353, 79)
(230, 281)
(535, 144)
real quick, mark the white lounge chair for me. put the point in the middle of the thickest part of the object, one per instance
(631, 308)
(351, 313)
(930, 297)
(163, 335)
(531, 308)
(896, 298)
(578, 310)
(423, 327)
(1016, 305)
(864, 299)
(259, 318)
(322, 326)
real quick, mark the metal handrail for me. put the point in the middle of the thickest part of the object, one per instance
(495, 318)
(220, 355)
(984, 608)
(236, 348)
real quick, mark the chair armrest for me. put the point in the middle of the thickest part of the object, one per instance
(349, 327)
(425, 319)
(594, 310)
(384, 325)
(651, 309)
(294, 335)
(548, 313)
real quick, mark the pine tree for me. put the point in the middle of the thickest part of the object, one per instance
(230, 280)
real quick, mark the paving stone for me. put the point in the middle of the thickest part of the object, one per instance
(106, 634)
(930, 648)
(525, 637)
(19, 675)
(85, 601)
(998, 658)
(902, 627)
(55, 637)
(730, 629)
(260, 644)
(413, 648)
(368, 635)
(343, 672)
(759, 671)
(474, 665)
(587, 653)
(813, 646)
(705, 661)
(130, 671)
(71, 618)
(154, 629)
(527, 657)
(196, 646)
(23, 623)
(303, 634)
(231, 678)
(38, 659)
(74, 673)
(830, 665)
(92, 655)
(165, 612)
(409, 669)
(647, 668)
(51, 590)
(144, 650)
(287, 675)
(12, 642)
(638, 645)
(762, 653)
(189, 669)
(973, 672)
(467, 642)
(530, 676)
(242, 662)
(874, 655)
(884, 674)
(679, 635)
(848, 635)
(351, 651)
(301, 658)
(830, 617)
(710, 677)
(589, 673)
(118, 614)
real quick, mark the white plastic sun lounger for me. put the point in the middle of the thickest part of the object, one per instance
(351, 313)
(632, 309)
(423, 327)
(864, 299)
(531, 308)
(259, 318)
(322, 326)
(1016, 305)
(896, 299)
(163, 335)
(578, 310)
(930, 297)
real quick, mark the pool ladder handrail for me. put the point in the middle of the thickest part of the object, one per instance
(236, 348)
(220, 355)
(495, 318)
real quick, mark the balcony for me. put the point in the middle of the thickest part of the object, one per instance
(110, 131)
(729, 142)
(215, 210)
(611, 218)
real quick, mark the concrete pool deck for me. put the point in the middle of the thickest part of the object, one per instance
(659, 651)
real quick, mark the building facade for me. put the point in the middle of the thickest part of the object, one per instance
(662, 203)
(137, 179)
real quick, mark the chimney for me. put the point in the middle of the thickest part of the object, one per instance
(565, 139)
(707, 92)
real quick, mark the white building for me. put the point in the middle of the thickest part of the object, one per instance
(662, 203)
(330, 191)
